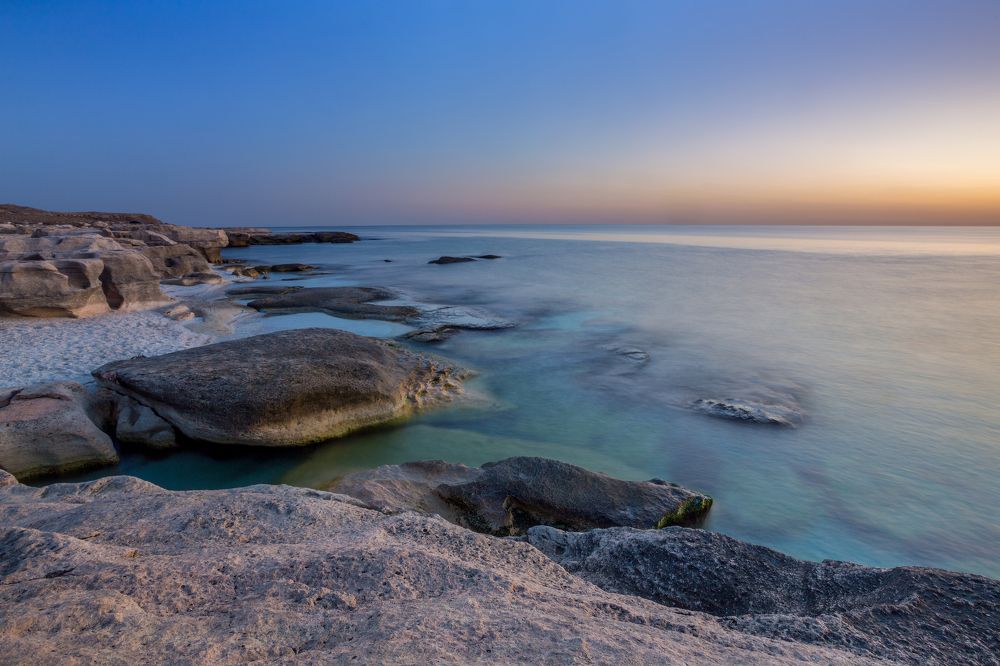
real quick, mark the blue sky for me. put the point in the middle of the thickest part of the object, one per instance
(269, 113)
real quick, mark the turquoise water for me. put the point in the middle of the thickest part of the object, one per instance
(887, 339)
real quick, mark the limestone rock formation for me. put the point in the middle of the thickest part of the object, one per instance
(510, 496)
(121, 571)
(906, 614)
(50, 429)
(283, 389)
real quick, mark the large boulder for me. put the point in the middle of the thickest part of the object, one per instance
(49, 429)
(906, 614)
(510, 496)
(120, 571)
(282, 389)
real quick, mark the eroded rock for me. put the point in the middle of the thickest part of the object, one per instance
(510, 496)
(283, 389)
(49, 429)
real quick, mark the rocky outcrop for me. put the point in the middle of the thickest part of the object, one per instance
(121, 571)
(135, 226)
(907, 614)
(750, 411)
(50, 429)
(283, 389)
(83, 264)
(138, 425)
(508, 497)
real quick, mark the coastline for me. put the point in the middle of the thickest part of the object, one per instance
(161, 405)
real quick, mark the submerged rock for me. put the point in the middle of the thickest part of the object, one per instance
(50, 429)
(744, 410)
(450, 260)
(508, 497)
(906, 614)
(283, 389)
(121, 571)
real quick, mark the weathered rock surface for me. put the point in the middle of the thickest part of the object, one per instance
(83, 264)
(119, 571)
(50, 429)
(283, 389)
(906, 614)
(510, 496)
(351, 302)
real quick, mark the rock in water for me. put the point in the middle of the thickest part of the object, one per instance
(450, 260)
(283, 389)
(907, 614)
(747, 410)
(510, 496)
(119, 571)
(46, 429)
(350, 302)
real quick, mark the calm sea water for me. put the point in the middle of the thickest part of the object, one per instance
(887, 338)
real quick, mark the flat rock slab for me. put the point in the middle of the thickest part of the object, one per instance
(283, 389)
(119, 571)
(911, 615)
(510, 496)
(350, 302)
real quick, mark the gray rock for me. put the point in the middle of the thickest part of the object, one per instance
(63, 288)
(46, 429)
(350, 302)
(749, 410)
(510, 496)
(119, 571)
(283, 389)
(451, 260)
(907, 614)
(138, 425)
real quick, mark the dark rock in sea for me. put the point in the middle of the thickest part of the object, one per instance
(350, 302)
(507, 497)
(120, 571)
(291, 238)
(488, 256)
(283, 389)
(450, 260)
(431, 335)
(261, 290)
(51, 429)
(754, 412)
(635, 354)
(906, 614)
(291, 268)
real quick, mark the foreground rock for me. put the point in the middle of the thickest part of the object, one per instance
(907, 614)
(283, 389)
(510, 496)
(50, 429)
(121, 571)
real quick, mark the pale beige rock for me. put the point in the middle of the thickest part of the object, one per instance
(121, 571)
(46, 429)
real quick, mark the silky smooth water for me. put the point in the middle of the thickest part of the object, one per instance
(888, 339)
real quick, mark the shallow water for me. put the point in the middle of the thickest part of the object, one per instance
(887, 340)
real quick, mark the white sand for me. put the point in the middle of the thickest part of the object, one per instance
(39, 350)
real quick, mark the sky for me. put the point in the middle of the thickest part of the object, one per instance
(506, 111)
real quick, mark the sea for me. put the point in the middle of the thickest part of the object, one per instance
(664, 351)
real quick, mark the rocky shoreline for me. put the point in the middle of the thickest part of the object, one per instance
(524, 559)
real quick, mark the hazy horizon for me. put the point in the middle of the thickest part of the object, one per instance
(441, 112)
